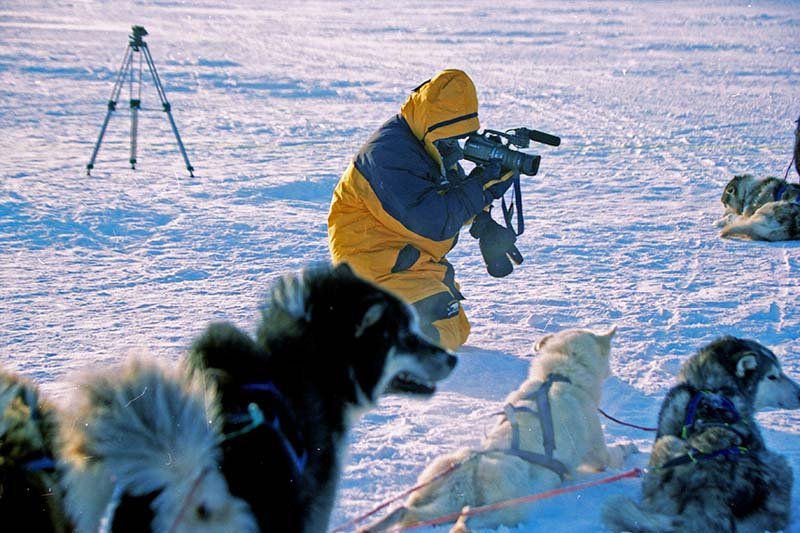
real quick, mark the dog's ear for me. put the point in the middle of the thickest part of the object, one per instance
(222, 346)
(290, 294)
(370, 318)
(608, 335)
(538, 345)
(746, 363)
(344, 270)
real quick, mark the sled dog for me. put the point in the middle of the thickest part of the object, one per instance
(549, 430)
(141, 453)
(29, 484)
(329, 344)
(709, 466)
(761, 209)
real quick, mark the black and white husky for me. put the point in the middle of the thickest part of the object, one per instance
(141, 452)
(710, 468)
(328, 346)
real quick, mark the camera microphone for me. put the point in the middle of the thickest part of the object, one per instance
(544, 138)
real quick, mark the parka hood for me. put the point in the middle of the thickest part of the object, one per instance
(444, 106)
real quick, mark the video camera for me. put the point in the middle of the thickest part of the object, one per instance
(480, 148)
(495, 240)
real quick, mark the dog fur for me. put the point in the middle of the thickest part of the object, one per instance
(753, 210)
(329, 345)
(30, 493)
(740, 492)
(489, 475)
(141, 453)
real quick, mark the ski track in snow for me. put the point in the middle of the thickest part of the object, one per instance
(658, 105)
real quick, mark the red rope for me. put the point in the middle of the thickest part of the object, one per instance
(634, 472)
(385, 504)
(618, 421)
(188, 500)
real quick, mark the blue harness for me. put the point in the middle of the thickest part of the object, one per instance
(544, 414)
(724, 414)
(255, 418)
(781, 190)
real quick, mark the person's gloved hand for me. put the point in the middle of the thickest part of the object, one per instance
(495, 179)
(497, 245)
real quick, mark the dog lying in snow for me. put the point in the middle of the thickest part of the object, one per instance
(710, 467)
(761, 209)
(329, 345)
(528, 450)
(30, 493)
(141, 452)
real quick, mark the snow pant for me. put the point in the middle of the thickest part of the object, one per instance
(437, 299)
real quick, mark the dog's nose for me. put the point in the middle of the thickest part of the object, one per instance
(451, 361)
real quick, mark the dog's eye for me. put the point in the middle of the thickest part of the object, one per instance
(203, 512)
(772, 378)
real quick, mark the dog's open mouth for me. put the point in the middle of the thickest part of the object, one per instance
(408, 383)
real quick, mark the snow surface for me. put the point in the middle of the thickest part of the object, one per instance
(658, 105)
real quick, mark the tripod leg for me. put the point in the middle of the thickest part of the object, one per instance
(135, 106)
(166, 106)
(112, 106)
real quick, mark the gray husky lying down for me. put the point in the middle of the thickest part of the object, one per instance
(763, 209)
(710, 468)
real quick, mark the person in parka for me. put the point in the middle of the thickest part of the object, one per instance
(401, 203)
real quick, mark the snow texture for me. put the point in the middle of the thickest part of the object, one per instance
(658, 105)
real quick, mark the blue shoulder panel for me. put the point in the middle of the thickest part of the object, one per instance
(405, 180)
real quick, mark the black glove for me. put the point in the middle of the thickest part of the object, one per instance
(497, 245)
(489, 175)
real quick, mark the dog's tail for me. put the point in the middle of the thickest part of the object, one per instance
(622, 514)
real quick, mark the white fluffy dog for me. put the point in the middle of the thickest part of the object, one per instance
(141, 453)
(529, 450)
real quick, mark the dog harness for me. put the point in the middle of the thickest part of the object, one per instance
(716, 411)
(779, 192)
(540, 396)
(255, 418)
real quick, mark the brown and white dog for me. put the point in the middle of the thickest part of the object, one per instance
(765, 209)
(761, 209)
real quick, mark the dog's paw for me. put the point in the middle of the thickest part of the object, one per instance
(726, 219)
(629, 449)
(461, 524)
(619, 453)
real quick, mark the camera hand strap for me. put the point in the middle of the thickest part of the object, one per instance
(516, 203)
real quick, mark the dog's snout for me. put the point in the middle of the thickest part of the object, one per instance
(451, 361)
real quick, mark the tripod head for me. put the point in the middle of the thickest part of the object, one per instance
(135, 38)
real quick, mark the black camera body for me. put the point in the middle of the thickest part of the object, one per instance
(495, 240)
(480, 148)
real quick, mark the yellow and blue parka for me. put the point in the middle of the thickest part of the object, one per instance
(395, 215)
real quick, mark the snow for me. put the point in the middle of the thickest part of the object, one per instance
(658, 105)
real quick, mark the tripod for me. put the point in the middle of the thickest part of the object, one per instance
(126, 71)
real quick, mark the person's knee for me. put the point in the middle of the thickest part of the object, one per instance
(454, 331)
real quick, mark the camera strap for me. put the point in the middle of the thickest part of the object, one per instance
(516, 203)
